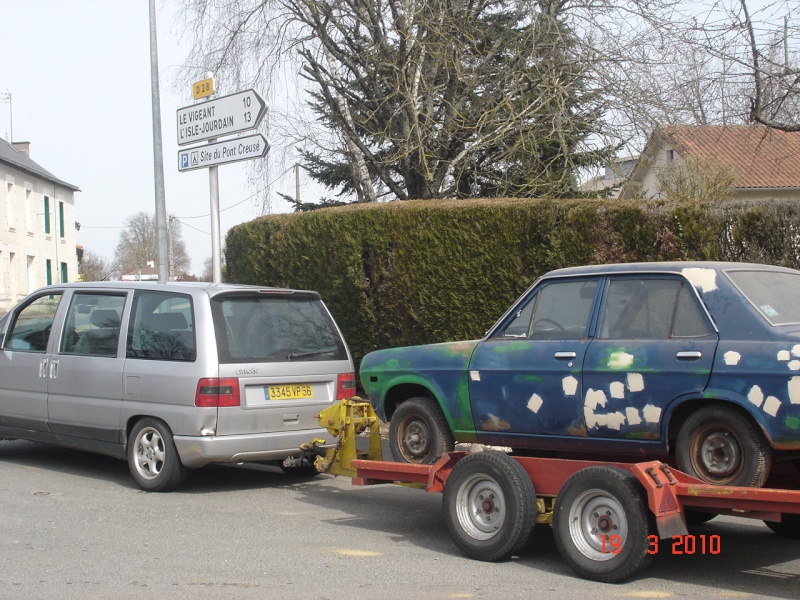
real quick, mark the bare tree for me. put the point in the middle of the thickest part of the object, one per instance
(138, 245)
(93, 267)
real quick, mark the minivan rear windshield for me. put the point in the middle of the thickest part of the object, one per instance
(274, 329)
(773, 293)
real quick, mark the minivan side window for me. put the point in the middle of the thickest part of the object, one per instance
(162, 327)
(31, 328)
(93, 324)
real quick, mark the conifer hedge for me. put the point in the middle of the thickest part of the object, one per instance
(418, 272)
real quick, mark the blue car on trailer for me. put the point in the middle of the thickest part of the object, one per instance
(699, 360)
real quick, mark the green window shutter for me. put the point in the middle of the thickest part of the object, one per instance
(49, 272)
(64, 273)
(46, 214)
(61, 219)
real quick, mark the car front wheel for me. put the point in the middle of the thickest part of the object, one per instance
(152, 457)
(723, 447)
(418, 432)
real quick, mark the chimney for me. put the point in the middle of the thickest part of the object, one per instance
(22, 147)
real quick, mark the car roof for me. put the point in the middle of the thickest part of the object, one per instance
(212, 289)
(676, 267)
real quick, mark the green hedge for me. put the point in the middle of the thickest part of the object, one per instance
(418, 272)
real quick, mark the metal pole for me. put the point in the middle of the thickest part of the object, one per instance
(216, 262)
(297, 186)
(158, 155)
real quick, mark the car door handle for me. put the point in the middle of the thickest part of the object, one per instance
(565, 355)
(53, 369)
(43, 368)
(689, 355)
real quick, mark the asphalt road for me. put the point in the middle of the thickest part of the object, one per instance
(74, 525)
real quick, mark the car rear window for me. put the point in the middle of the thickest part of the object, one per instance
(773, 293)
(266, 328)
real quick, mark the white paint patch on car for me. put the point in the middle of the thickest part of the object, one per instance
(652, 414)
(796, 350)
(615, 420)
(784, 355)
(617, 390)
(620, 360)
(794, 365)
(794, 390)
(634, 418)
(635, 382)
(593, 398)
(756, 396)
(732, 358)
(771, 405)
(535, 403)
(475, 375)
(703, 279)
(569, 385)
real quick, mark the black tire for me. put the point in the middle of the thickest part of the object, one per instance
(418, 432)
(723, 447)
(152, 458)
(489, 506)
(789, 527)
(594, 505)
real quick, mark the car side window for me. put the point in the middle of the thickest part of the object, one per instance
(558, 311)
(93, 324)
(652, 308)
(31, 328)
(162, 327)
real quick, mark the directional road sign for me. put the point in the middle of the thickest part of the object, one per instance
(218, 153)
(220, 117)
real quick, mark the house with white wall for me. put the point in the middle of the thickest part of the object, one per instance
(37, 226)
(765, 162)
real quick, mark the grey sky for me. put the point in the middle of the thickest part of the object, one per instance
(79, 76)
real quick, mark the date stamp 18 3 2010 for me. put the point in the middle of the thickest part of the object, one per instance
(680, 544)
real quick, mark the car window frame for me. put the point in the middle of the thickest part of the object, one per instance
(13, 316)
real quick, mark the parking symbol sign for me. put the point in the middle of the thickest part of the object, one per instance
(184, 160)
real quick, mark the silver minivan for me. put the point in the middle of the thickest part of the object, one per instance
(172, 376)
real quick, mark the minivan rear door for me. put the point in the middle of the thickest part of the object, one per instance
(287, 354)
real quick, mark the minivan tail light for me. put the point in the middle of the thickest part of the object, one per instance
(346, 386)
(215, 392)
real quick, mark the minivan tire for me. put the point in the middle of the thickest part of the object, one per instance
(152, 457)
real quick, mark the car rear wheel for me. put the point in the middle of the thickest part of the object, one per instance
(152, 457)
(723, 447)
(418, 432)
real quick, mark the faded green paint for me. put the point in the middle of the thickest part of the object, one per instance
(792, 422)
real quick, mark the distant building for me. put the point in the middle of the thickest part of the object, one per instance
(147, 273)
(37, 226)
(614, 175)
(765, 162)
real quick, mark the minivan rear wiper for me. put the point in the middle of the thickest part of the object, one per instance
(294, 355)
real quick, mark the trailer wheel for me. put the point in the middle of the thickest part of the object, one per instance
(601, 524)
(723, 447)
(789, 527)
(489, 506)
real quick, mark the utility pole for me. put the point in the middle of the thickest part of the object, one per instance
(297, 186)
(158, 154)
(7, 98)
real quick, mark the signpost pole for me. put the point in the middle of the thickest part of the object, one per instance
(216, 246)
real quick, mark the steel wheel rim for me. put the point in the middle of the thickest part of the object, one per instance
(480, 507)
(415, 439)
(593, 518)
(149, 453)
(716, 454)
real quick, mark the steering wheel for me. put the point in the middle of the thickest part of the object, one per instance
(558, 325)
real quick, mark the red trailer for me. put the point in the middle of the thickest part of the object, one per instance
(607, 517)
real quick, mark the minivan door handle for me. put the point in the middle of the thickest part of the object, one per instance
(565, 355)
(689, 355)
(43, 368)
(53, 369)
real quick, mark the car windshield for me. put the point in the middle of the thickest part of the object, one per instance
(773, 293)
(274, 329)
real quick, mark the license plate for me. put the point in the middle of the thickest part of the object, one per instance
(288, 392)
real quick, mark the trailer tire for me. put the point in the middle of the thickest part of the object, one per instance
(723, 447)
(789, 527)
(419, 433)
(489, 506)
(595, 504)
